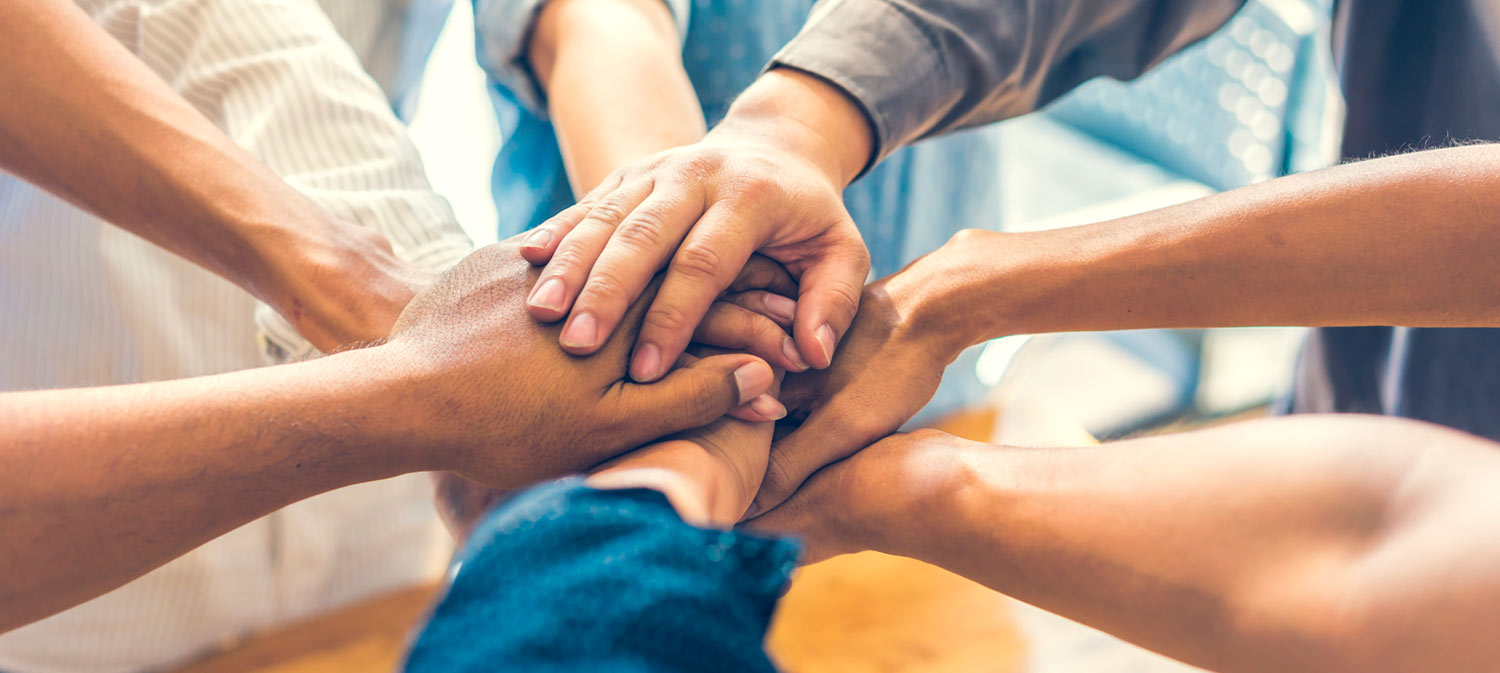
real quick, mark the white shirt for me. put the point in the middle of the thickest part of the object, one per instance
(84, 303)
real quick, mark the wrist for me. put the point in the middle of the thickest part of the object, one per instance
(336, 283)
(803, 115)
(984, 285)
(360, 403)
(695, 483)
(949, 298)
(898, 495)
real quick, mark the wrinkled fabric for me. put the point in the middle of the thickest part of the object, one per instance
(568, 578)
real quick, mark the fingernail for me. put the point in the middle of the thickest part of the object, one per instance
(538, 239)
(826, 340)
(768, 407)
(549, 296)
(647, 364)
(789, 348)
(752, 380)
(581, 332)
(781, 308)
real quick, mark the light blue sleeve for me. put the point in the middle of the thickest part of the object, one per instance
(502, 29)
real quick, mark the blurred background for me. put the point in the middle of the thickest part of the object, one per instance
(1254, 101)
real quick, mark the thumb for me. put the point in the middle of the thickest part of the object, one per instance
(830, 292)
(693, 395)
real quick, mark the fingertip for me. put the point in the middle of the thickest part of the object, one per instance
(792, 356)
(645, 365)
(768, 407)
(753, 379)
(581, 334)
(538, 246)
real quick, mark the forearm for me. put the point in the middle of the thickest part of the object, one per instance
(1294, 544)
(616, 88)
(1405, 240)
(104, 132)
(104, 484)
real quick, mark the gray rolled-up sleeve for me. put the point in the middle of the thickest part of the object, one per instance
(502, 32)
(923, 67)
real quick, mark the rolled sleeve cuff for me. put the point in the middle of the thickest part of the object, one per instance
(502, 31)
(883, 60)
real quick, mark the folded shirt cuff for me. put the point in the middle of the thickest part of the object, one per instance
(883, 60)
(502, 31)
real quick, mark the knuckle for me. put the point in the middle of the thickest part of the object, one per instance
(668, 319)
(643, 230)
(565, 260)
(604, 287)
(766, 332)
(698, 261)
(702, 162)
(608, 210)
(755, 188)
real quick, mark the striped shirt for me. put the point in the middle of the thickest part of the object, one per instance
(84, 303)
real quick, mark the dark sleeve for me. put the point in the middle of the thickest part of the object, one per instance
(567, 578)
(925, 67)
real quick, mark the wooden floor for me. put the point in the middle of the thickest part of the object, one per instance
(865, 613)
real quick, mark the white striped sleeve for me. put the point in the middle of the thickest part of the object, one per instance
(278, 79)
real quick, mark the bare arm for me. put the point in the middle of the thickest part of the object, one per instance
(98, 486)
(96, 126)
(1300, 544)
(1404, 240)
(616, 90)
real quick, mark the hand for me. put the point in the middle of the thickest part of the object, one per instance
(767, 179)
(492, 394)
(346, 289)
(889, 367)
(709, 474)
(864, 501)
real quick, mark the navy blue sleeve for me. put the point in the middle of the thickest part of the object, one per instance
(570, 578)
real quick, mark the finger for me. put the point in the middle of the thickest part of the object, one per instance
(764, 273)
(541, 242)
(731, 326)
(830, 434)
(781, 310)
(829, 297)
(563, 277)
(637, 248)
(763, 408)
(689, 397)
(711, 256)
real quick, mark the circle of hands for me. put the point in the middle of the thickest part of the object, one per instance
(528, 411)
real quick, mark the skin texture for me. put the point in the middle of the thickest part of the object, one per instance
(1329, 248)
(1298, 544)
(709, 474)
(592, 57)
(148, 162)
(101, 485)
(767, 179)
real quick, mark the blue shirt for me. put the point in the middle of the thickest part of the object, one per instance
(566, 578)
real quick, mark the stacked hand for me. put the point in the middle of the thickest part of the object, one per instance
(492, 394)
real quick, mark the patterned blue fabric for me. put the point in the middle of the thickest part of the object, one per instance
(568, 578)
